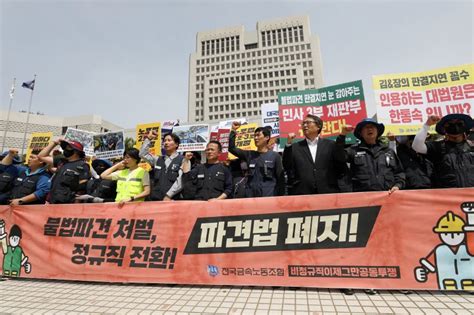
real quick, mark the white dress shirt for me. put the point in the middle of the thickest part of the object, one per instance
(313, 147)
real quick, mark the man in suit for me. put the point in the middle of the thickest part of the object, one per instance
(310, 164)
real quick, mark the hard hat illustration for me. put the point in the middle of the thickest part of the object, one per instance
(449, 223)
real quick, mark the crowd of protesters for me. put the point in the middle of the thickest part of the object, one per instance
(313, 165)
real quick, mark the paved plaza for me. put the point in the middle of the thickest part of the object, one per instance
(22, 296)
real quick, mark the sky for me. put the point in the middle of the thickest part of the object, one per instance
(128, 61)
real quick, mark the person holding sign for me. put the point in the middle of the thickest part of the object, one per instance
(311, 164)
(32, 186)
(453, 158)
(265, 175)
(209, 181)
(374, 166)
(166, 179)
(133, 182)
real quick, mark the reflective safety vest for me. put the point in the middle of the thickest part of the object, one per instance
(130, 184)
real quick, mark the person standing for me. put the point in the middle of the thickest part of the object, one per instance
(265, 169)
(133, 182)
(453, 158)
(71, 178)
(209, 181)
(373, 166)
(166, 181)
(311, 164)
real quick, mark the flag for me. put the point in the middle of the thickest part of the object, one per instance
(29, 85)
(12, 90)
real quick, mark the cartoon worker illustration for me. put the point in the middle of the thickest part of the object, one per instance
(468, 208)
(451, 261)
(13, 256)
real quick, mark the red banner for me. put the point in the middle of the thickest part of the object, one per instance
(407, 240)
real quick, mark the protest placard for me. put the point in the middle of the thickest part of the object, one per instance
(405, 100)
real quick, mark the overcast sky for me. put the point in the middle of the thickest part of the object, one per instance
(128, 61)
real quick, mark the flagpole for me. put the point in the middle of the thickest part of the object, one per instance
(12, 92)
(28, 118)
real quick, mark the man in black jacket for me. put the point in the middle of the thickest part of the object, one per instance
(265, 177)
(453, 158)
(374, 166)
(311, 164)
(209, 181)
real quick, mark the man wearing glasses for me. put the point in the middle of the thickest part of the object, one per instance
(311, 163)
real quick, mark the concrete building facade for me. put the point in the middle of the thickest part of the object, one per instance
(44, 123)
(233, 71)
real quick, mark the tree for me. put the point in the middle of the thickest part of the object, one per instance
(129, 143)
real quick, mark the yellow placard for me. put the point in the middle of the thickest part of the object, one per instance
(421, 81)
(142, 130)
(38, 141)
(244, 138)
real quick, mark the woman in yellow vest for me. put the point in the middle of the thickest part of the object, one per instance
(133, 182)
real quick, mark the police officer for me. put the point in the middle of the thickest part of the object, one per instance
(166, 175)
(453, 158)
(374, 166)
(209, 181)
(32, 185)
(265, 174)
(71, 178)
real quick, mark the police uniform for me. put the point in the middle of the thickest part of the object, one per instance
(265, 171)
(207, 181)
(65, 183)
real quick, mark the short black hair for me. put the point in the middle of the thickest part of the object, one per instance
(266, 131)
(316, 119)
(174, 137)
(133, 153)
(219, 145)
(15, 231)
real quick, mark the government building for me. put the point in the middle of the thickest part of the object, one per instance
(233, 71)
